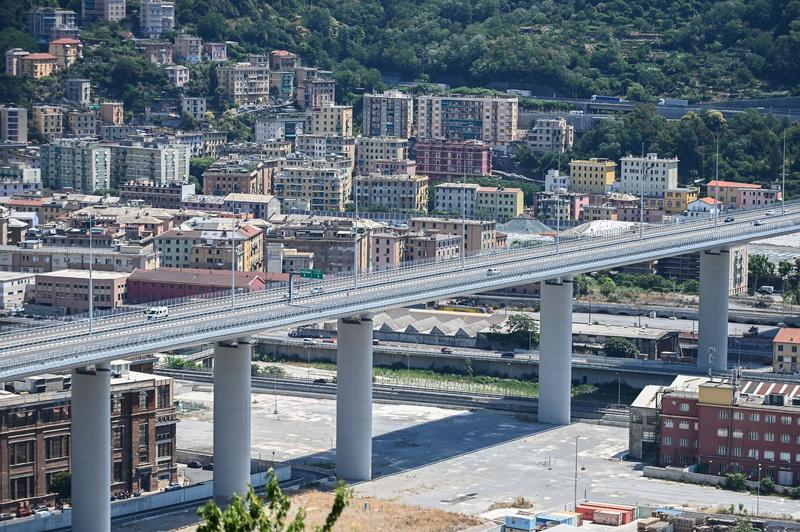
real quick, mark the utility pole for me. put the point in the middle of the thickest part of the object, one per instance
(575, 499)
(91, 277)
(464, 209)
(783, 176)
(233, 264)
(355, 238)
(716, 185)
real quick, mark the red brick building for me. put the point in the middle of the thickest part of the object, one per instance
(145, 286)
(446, 159)
(753, 430)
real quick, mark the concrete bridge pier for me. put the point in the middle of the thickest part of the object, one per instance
(712, 328)
(232, 361)
(555, 348)
(91, 448)
(354, 398)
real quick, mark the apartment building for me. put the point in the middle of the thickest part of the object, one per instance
(67, 291)
(786, 351)
(489, 119)
(281, 84)
(149, 160)
(13, 124)
(206, 243)
(733, 195)
(499, 203)
(325, 183)
(650, 175)
(280, 126)
(38, 65)
(45, 22)
(79, 164)
(13, 58)
(82, 123)
(112, 113)
(593, 176)
(283, 60)
(723, 427)
(551, 135)
(244, 83)
(178, 75)
(205, 142)
(261, 206)
(445, 159)
(78, 91)
(188, 48)
(312, 89)
(456, 198)
(432, 246)
(14, 286)
(157, 51)
(102, 10)
(32, 256)
(552, 206)
(66, 50)
(272, 149)
(156, 17)
(19, 179)
(145, 286)
(478, 235)
(401, 192)
(388, 114)
(371, 150)
(332, 120)
(677, 200)
(47, 121)
(36, 432)
(194, 106)
(167, 196)
(321, 146)
(216, 51)
(554, 180)
(388, 250)
(237, 174)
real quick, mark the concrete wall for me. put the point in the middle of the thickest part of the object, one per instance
(682, 475)
(193, 494)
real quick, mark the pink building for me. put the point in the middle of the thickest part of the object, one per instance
(735, 195)
(445, 159)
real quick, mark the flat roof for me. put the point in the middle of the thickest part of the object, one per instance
(84, 274)
(11, 276)
(645, 333)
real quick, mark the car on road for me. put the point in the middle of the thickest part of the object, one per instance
(318, 291)
(447, 350)
(6, 517)
(173, 486)
(156, 313)
(320, 381)
(508, 354)
(758, 222)
(375, 341)
(208, 467)
(309, 341)
(491, 271)
(770, 212)
(728, 219)
(194, 464)
(286, 295)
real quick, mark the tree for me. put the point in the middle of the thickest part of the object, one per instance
(615, 346)
(735, 482)
(523, 330)
(744, 525)
(761, 270)
(62, 485)
(252, 514)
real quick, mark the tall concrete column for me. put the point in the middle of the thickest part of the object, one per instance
(555, 351)
(232, 361)
(91, 448)
(712, 328)
(354, 398)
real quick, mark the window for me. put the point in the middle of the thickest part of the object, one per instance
(21, 487)
(786, 457)
(143, 434)
(786, 420)
(117, 473)
(722, 450)
(738, 433)
(142, 400)
(163, 397)
(737, 452)
(164, 450)
(769, 436)
(667, 459)
(116, 437)
(722, 433)
(56, 447)
(684, 425)
(754, 416)
(786, 438)
(769, 418)
(668, 423)
(752, 435)
(769, 455)
(738, 416)
(667, 440)
(752, 453)
(20, 452)
(724, 414)
(684, 407)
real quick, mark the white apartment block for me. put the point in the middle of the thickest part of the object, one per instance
(78, 91)
(282, 126)
(79, 164)
(456, 197)
(331, 120)
(156, 17)
(399, 192)
(388, 114)
(554, 180)
(244, 82)
(325, 183)
(149, 162)
(194, 106)
(178, 75)
(492, 120)
(551, 135)
(648, 175)
(13, 286)
(370, 150)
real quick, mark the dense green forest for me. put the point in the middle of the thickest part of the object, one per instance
(697, 49)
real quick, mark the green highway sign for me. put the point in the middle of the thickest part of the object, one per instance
(306, 273)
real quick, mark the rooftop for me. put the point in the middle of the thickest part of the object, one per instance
(84, 274)
(731, 184)
(39, 56)
(204, 277)
(787, 335)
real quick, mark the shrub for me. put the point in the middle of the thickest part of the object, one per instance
(735, 482)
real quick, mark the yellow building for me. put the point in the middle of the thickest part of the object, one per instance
(593, 176)
(677, 200)
(48, 120)
(393, 192)
(499, 203)
(786, 351)
(38, 65)
(592, 213)
(112, 113)
(331, 120)
(66, 50)
(325, 183)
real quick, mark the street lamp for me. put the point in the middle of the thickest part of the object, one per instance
(575, 499)
(559, 191)
(464, 211)
(91, 277)
(619, 388)
(758, 491)
(783, 176)
(233, 263)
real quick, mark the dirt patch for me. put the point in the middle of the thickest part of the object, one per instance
(381, 514)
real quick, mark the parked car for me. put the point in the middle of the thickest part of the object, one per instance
(41, 514)
(173, 486)
(447, 350)
(208, 467)
(6, 517)
(194, 464)
(23, 510)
